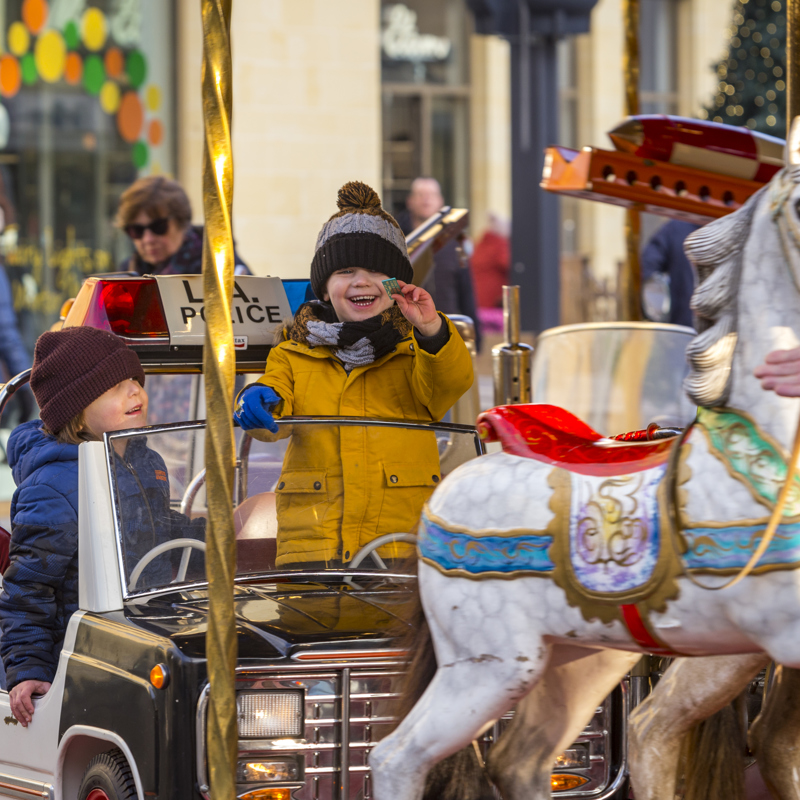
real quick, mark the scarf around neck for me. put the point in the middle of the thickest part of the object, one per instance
(355, 344)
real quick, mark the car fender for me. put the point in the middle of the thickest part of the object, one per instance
(79, 745)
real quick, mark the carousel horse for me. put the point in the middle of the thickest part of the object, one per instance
(548, 568)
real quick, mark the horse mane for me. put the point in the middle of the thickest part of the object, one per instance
(716, 251)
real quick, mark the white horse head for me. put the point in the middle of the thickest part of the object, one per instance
(748, 301)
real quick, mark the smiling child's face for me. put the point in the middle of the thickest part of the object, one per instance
(123, 406)
(357, 294)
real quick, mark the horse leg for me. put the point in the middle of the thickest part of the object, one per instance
(691, 691)
(463, 699)
(552, 716)
(775, 735)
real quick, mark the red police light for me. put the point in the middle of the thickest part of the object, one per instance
(129, 307)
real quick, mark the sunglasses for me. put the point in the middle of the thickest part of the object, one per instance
(158, 226)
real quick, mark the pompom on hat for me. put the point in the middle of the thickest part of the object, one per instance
(361, 234)
(73, 367)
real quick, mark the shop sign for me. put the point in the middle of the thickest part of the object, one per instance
(402, 41)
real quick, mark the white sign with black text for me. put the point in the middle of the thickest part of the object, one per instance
(260, 307)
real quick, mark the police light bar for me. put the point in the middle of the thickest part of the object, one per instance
(163, 317)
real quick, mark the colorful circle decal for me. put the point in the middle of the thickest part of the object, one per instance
(29, 75)
(10, 76)
(94, 28)
(136, 67)
(155, 133)
(139, 154)
(51, 55)
(34, 14)
(109, 97)
(114, 62)
(94, 75)
(19, 40)
(73, 69)
(71, 35)
(153, 98)
(130, 117)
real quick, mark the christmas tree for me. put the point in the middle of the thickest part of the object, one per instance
(752, 77)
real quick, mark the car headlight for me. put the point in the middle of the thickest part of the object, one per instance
(577, 757)
(264, 770)
(269, 715)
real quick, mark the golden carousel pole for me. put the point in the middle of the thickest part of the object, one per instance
(219, 371)
(631, 277)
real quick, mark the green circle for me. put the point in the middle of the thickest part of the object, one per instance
(139, 154)
(94, 74)
(71, 35)
(29, 76)
(136, 67)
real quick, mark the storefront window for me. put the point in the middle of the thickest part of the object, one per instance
(424, 52)
(86, 107)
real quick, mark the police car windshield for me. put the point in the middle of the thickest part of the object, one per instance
(318, 495)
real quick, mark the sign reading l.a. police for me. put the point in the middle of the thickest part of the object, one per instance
(259, 308)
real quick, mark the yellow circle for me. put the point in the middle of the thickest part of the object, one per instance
(109, 97)
(153, 98)
(155, 168)
(50, 55)
(94, 28)
(19, 40)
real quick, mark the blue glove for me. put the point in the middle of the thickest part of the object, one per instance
(254, 406)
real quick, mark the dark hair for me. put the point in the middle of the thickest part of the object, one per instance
(158, 197)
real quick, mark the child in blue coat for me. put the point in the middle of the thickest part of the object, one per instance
(87, 383)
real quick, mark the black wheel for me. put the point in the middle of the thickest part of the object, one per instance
(108, 777)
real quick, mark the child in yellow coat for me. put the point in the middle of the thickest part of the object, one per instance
(357, 351)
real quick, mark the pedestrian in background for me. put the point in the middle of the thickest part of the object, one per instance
(664, 254)
(491, 267)
(450, 281)
(156, 214)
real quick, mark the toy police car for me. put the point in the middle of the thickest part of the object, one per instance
(319, 665)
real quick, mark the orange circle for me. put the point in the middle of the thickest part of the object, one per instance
(73, 69)
(34, 14)
(10, 76)
(114, 62)
(155, 133)
(130, 117)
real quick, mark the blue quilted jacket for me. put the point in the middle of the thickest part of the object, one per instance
(40, 586)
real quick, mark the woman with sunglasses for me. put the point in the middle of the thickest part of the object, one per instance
(156, 214)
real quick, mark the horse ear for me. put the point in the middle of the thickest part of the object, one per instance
(793, 144)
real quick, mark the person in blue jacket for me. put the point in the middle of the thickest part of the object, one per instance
(664, 254)
(87, 383)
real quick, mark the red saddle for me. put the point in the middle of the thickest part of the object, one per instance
(555, 436)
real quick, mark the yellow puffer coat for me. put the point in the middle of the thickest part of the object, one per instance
(341, 487)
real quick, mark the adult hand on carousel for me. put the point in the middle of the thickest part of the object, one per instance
(780, 372)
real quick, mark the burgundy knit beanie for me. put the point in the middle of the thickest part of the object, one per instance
(73, 367)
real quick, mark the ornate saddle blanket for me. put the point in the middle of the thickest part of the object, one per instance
(616, 538)
(555, 436)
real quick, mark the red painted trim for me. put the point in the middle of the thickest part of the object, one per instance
(642, 636)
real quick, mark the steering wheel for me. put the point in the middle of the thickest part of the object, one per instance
(372, 546)
(174, 544)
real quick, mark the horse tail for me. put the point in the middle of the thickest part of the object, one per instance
(713, 756)
(460, 776)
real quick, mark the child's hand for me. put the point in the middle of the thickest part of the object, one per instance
(21, 702)
(416, 305)
(781, 372)
(252, 412)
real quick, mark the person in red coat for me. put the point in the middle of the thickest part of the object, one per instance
(491, 263)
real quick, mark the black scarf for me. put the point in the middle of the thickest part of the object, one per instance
(354, 343)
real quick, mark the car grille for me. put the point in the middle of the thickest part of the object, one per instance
(334, 752)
